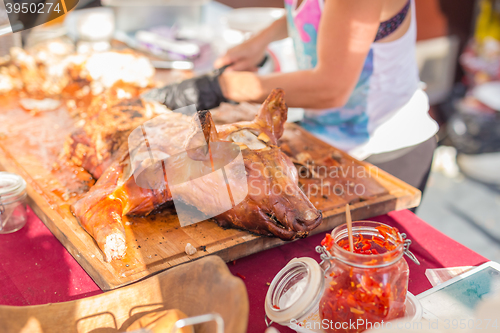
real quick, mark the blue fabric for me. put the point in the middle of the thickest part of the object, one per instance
(350, 122)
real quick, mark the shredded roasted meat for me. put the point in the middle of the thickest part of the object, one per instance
(104, 128)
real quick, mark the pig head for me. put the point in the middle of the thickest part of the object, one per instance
(273, 203)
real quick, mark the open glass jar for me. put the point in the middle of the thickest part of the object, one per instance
(354, 290)
(12, 202)
(293, 297)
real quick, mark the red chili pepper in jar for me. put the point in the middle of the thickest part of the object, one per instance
(365, 292)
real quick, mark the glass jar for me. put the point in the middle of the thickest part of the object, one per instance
(13, 195)
(348, 291)
(294, 294)
(368, 285)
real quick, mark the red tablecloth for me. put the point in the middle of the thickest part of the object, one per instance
(35, 268)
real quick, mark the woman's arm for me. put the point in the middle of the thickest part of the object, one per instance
(247, 55)
(346, 32)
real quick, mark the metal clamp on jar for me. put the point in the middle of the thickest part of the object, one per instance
(12, 202)
(347, 291)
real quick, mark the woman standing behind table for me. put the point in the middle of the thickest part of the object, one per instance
(357, 79)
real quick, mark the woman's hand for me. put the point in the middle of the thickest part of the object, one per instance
(245, 56)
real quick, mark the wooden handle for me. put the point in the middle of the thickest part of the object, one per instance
(349, 227)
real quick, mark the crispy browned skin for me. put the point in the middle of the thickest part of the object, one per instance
(274, 204)
(116, 193)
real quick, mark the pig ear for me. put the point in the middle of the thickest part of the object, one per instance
(273, 112)
(207, 126)
(202, 130)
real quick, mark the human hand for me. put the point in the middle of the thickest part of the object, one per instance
(244, 57)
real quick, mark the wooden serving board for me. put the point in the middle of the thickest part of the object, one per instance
(30, 145)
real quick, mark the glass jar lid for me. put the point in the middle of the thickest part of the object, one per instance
(12, 187)
(294, 291)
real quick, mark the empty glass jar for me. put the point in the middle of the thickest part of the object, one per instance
(12, 202)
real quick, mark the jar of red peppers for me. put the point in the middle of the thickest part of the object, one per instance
(352, 291)
(367, 285)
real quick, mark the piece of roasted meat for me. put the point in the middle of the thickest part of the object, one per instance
(104, 128)
(274, 204)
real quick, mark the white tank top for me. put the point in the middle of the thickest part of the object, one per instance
(386, 111)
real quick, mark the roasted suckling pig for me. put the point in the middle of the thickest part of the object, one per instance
(273, 205)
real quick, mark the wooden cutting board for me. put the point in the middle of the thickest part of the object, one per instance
(30, 145)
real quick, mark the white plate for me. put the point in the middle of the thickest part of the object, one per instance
(294, 115)
(253, 19)
(483, 167)
(414, 309)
